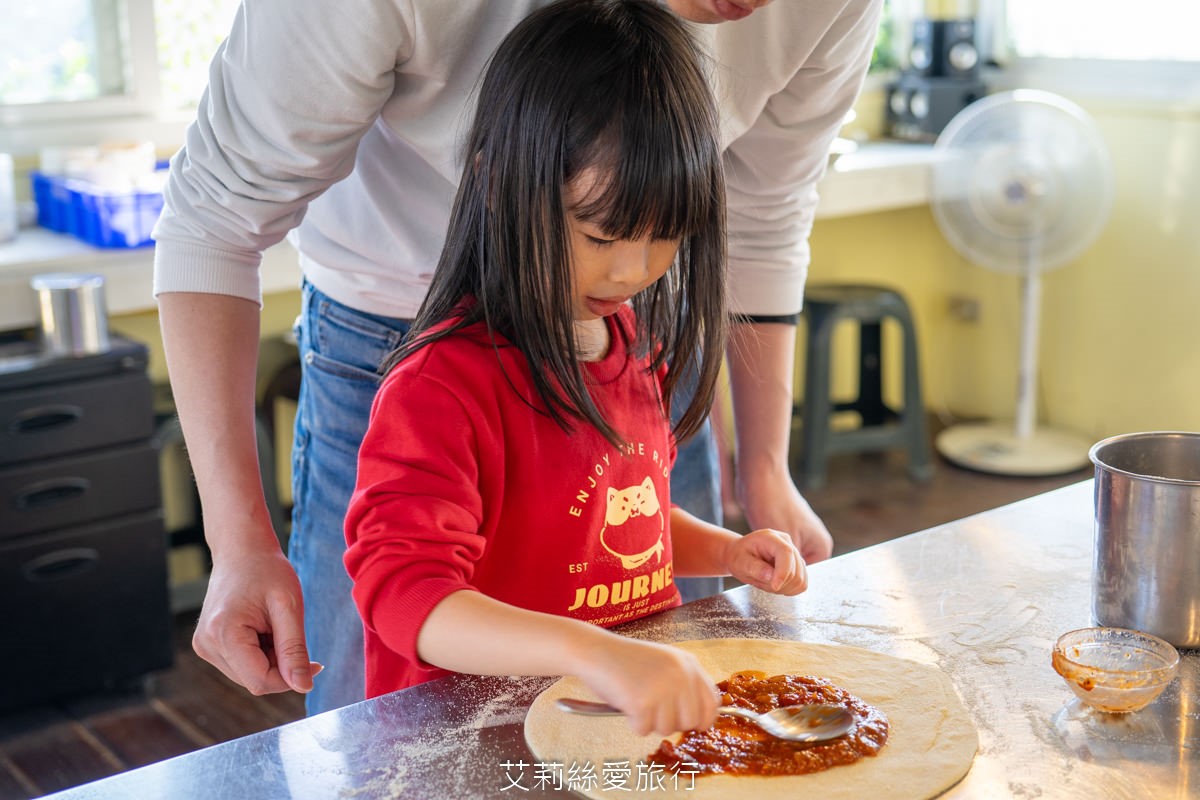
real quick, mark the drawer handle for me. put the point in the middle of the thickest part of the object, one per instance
(51, 492)
(44, 417)
(61, 564)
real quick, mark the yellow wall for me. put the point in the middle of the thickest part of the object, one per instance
(1120, 343)
(279, 312)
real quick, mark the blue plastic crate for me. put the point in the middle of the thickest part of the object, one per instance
(53, 202)
(97, 216)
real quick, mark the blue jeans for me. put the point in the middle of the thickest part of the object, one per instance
(340, 353)
(696, 485)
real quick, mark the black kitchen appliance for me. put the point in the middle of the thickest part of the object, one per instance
(920, 107)
(941, 79)
(944, 48)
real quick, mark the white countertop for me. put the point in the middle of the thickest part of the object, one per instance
(127, 273)
(877, 176)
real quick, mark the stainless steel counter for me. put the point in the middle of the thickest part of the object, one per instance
(983, 599)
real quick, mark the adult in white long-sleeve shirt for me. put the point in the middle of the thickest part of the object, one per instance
(340, 124)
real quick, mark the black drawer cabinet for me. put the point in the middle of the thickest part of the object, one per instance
(69, 417)
(85, 608)
(55, 493)
(83, 563)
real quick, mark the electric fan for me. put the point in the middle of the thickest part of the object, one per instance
(1021, 183)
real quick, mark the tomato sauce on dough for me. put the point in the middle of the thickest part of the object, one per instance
(738, 747)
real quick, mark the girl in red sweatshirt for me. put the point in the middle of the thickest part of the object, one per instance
(513, 495)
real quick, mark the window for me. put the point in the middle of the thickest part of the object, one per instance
(1106, 50)
(886, 55)
(1007, 30)
(106, 57)
(62, 51)
(188, 33)
(1144, 52)
(1149, 30)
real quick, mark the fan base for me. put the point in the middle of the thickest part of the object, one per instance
(996, 448)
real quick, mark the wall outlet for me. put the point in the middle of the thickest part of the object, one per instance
(964, 308)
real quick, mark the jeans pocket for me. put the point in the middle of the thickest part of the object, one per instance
(336, 369)
(336, 405)
(340, 350)
(353, 341)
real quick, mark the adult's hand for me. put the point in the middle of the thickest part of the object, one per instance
(770, 499)
(252, 624)
(761, 359)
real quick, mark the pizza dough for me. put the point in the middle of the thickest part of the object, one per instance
(930, 746)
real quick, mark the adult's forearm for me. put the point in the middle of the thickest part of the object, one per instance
(211, 345)
(761, 360)
(761, 365)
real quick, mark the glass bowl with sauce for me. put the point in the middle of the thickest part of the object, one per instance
(1115, 670)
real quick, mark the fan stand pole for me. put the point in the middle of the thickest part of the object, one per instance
(1020, 448)
(1031, 310)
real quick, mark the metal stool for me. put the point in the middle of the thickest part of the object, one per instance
(882, 428)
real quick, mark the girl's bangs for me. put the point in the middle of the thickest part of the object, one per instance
(661, 174)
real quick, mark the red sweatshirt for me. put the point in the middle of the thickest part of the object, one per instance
(461, 485)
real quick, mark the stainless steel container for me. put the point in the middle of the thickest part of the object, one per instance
(1146, 567)
(72, 314)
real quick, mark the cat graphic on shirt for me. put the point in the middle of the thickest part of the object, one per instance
(634, 524)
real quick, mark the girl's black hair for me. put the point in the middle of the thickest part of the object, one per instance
(618, 85)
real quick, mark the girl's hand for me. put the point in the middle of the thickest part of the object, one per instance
(767, 559)
(660, 689)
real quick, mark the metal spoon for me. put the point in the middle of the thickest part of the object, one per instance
(811, 723)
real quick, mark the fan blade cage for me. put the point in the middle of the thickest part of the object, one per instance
(1022, 181)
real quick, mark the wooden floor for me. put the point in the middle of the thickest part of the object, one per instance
(867, 499)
